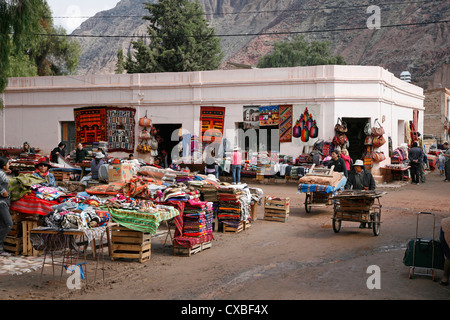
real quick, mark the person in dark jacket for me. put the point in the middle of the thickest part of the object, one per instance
(338, 163)
(80, 153)
(415, 156)
(59, 150)
(6, 222)
(360, 179)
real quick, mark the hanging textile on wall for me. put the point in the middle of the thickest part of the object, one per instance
(251, 117)
(212, 121)
(285, 123)
(268, 115)
(90, 124)
(120, 126)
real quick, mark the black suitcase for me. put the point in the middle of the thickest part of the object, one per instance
(424, 252)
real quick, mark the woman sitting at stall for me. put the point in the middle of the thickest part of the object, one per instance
(42, 171)
(27, 149)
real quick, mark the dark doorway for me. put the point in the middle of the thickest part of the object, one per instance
(68, 135)
(164, 137)
(356, 136)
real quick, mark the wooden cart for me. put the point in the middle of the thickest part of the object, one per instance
(358, 206)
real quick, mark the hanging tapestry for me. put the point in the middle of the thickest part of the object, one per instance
(268, 116)
(90, 124)
(285, 126)
(212, 120)
(120, 128)
(251, 117)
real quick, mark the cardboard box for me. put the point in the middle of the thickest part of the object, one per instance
(120, 172)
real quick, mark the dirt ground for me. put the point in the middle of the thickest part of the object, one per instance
(302, 259)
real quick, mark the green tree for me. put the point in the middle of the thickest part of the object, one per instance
(300, 52)
(180, 40)
(120, 65)
(18, 18)
(29, 45)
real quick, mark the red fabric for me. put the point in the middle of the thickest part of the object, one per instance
(30, 204)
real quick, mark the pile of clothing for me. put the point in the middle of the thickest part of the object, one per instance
(234, 203)
(78, 213)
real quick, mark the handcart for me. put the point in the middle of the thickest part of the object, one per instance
(358, 206)
(425, 253)
(317, 195)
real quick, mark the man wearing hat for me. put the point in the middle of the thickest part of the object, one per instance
(96, 164)
(360, 179)
(42, 171)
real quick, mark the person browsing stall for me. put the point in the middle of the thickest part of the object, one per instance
(96, 164)
(338, 163)
(42, 171)
(6, 222)
(236, 165)
(415, 156)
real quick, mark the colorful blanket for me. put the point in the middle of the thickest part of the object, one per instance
(31, 204)
(143, 221)
(304, 187)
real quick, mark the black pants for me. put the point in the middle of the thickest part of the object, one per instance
(415, 172)
(447, 170)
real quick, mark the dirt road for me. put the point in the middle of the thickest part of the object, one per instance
(300, 259)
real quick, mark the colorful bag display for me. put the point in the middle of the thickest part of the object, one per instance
(144, 135)
(297, 131)
(144, 121)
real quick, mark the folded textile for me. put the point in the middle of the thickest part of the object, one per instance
(31, 204)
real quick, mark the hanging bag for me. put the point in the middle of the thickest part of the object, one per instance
(144, 121)
(341, 126)
(378, 156)
(296, 132)
(305, 135)
(340, 139)
(368, 129)
(144, 135)
(314, 131)
(368, 141)
(377, 131)
(378, 141)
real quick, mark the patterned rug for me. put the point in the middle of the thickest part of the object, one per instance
(90, 124)
(212, 118)
(285, 123)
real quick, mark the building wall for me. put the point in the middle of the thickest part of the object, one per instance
(34, 107)
(436, 105)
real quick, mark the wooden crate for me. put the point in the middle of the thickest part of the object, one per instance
(27, 247)
(276, 209)
(126, 243)
(13, 245)
(61, 176)
(186, 251)
(243, 225)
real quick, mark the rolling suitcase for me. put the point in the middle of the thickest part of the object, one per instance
(424, 252)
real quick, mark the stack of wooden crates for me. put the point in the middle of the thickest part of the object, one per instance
(276, 209)
(18, 239)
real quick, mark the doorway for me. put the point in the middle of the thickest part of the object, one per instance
(68, 135)
(356, 136)
(164, 137)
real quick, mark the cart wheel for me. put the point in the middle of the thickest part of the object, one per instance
(336, 223)
(308, 203)
(376, 223)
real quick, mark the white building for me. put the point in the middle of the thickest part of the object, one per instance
(40, 110)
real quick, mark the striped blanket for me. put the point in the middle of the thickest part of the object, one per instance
(304, 187)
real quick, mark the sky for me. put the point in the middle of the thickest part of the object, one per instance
(77, 9)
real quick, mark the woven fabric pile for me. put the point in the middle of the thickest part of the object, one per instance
(234, 204)
(196, 225)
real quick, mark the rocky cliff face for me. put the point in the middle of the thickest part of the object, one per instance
(248, 30)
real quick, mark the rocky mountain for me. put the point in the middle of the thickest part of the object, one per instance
(410, 37)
